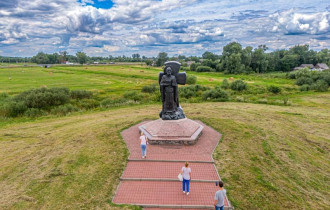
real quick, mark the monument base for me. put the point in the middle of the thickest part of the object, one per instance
(177, 132)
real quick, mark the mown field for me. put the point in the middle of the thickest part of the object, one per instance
(270, 156)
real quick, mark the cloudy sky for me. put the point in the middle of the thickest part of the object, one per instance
(147, 27)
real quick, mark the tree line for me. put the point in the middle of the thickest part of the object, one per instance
(234, 59)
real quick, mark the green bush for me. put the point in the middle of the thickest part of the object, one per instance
(64, 109)
(320, 85)
(88, 103)
(194, 66)
(274, 89)
(133, 95)
(187, 91)
(42, 98)
(15, 109)
(184, 68)
(225, 84)
(238, 85)
(304, 81)
(305, 87)
(80, 94)
(215, 94)
(191, 79)
(149, 88)
(203, 69)
(33, 112)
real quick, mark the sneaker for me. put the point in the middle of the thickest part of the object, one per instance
(187, 193)
(184, 192)
(142, 156)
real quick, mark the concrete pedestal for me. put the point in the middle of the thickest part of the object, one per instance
(177, 132)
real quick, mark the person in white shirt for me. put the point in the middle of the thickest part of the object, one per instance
(186, 175)
(143, 143)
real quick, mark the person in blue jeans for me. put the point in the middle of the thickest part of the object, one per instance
(186, 175)
(219, 198)
(143, 143)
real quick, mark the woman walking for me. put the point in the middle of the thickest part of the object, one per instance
(143, 143)
(186, 175)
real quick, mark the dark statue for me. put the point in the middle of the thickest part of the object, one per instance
(168, 82)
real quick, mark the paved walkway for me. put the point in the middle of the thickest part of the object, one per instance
(153, 183)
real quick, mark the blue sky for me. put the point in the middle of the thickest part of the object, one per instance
(147, 27)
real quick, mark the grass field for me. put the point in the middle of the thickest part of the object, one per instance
(270, 156)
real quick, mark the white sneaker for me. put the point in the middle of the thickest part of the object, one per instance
(184, 192)
(187, 193)
(142, 156)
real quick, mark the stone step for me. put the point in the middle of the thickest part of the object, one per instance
(169, 170)
(165, 194)
(181, 161)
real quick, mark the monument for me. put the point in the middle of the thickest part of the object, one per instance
(173, 127)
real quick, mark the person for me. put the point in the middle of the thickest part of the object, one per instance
(219, 198)
(143, 143)
(186, 175)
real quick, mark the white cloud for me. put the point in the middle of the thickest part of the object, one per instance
(292, 22)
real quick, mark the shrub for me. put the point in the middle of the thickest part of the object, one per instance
(304, 80)
(194, 66)
(203, 69)
(187, 91)
(184, 68)
(225, 84)
(209, 63)
(133, 95)
(43, 97)
(274, 89)
(320, 85)
(33, 112)
(215, 94)
(15, 109)
(305, 87)
(238, 85)
(88, 103)
(149, 88)
(80, 94)
(191, 79)
(64, 109)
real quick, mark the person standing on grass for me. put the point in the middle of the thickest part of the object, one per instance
(219, 198)
(186, 175)
(143, 143)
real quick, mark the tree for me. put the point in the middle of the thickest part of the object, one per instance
(41, 58)
(148, 62)
(161, 58)
(81, 57)
(210, 56)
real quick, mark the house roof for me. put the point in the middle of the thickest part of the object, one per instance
(307, 65)
(321, 66)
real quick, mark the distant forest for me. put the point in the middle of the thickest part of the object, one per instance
(234, 59)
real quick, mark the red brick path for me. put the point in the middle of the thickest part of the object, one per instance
(162, 188)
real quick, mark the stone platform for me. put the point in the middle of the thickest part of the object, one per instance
(178, 132)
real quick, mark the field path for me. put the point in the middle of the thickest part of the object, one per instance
(153, 183)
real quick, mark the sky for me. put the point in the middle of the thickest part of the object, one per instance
(147, 27)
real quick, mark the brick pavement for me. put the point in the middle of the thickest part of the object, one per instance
(163, 190)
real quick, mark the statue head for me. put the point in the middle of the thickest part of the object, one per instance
(168, 71)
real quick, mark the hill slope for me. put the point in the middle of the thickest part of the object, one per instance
(269, 155)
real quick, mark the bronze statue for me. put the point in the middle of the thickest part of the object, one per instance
(168, 82)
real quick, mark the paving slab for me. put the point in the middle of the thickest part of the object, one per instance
(165, 193)
(169, 170)
(202, 150)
